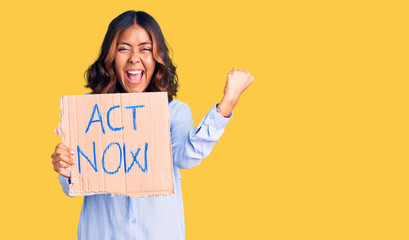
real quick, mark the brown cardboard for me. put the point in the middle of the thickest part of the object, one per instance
(148, 113)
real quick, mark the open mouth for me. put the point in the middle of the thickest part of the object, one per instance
(134, 76)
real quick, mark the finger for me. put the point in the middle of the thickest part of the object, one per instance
(61, 145)
(61, 164)
(233, 70)
(64, 158)
(249, 82)
(61, 151)
(244, 71)
(66, 152)
(63, 173)
(64, 147)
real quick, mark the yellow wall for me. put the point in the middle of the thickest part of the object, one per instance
(317, 147)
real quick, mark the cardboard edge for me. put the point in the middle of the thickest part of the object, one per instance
(58, 131)
(171, 156)
(141, 194)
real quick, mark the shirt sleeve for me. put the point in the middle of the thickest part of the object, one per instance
(64, 184)
(191, 145)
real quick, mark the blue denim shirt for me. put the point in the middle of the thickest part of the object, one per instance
(106, 216)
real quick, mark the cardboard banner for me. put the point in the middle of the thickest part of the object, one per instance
(121, 141)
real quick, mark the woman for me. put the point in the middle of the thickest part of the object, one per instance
(134, 58)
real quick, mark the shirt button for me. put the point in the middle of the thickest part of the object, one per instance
(133, 220)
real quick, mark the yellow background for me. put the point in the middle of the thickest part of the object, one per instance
(317, 147)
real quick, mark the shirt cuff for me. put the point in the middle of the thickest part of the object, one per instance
(217, 120)
(65, 184)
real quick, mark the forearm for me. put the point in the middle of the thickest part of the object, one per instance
(197, 143)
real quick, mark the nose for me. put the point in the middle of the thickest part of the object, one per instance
(134, 58)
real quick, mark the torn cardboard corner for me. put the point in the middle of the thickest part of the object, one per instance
(121, 143)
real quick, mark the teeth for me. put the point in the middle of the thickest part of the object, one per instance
(134, 72)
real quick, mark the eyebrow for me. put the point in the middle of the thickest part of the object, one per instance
(144, 43)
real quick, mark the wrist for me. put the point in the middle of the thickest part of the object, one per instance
(230, 99)
(226, 105)
(219, 110)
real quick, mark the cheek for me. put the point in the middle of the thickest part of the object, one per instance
(118, 66)
(149, 61)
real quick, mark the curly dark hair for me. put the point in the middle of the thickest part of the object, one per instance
(101, 77)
